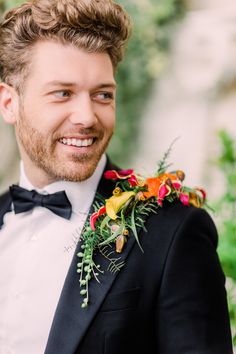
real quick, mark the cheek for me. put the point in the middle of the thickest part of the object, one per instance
(44, 119)
(107, 118)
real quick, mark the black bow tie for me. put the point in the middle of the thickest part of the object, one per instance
(24, 200)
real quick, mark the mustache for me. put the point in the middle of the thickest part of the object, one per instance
(79, 132)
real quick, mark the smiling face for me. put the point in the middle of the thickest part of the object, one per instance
(65, 117)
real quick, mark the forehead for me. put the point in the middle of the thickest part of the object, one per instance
(53, 61)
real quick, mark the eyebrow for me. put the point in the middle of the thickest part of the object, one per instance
(73, 84)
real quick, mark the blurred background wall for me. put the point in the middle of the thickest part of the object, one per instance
(195, 95)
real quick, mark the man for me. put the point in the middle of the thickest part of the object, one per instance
(57, 65)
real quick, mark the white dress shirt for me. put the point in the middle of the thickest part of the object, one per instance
(36, 249)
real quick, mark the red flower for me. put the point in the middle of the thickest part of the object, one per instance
(203, 193)
(133, 181)
(163, 192)
(184, 198)
(176, 185)
(113, 174)
(95, 216)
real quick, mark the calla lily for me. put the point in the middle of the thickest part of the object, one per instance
(140, 197)
(120, 242)
(197, 197)
(176, 185)
(124, 174)
(180, 175)
(202, 192)
(116, 202)
(136, 180)
(113, 174)
(195, 200)
(153, 184)
(133, 181)
(163, 192)
(95, 216)
(167, 176)
(184, 198)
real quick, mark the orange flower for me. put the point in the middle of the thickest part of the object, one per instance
(153, 185)
(165, 176)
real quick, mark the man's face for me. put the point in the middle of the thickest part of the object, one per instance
(66, 113)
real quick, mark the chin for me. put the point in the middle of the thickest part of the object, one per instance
(77, 176)
(78, 172)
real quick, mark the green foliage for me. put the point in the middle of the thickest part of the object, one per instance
(146, 58)
(163, 164)
(166, 10)
(107, 232)
(7, 4)
(227, 227)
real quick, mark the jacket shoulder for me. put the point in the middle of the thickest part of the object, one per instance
(173, 218)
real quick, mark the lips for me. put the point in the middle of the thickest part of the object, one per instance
(77, 142)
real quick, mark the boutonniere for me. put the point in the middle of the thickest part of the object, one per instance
(121, 216)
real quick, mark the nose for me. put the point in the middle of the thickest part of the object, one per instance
(83, 112)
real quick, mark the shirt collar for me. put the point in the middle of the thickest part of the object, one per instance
(80, 194)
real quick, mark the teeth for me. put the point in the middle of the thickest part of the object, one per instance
(77, 142)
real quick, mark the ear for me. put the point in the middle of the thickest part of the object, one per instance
(8, 103)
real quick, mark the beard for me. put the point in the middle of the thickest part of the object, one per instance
(41, 149)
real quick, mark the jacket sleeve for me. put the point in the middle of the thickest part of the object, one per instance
(191, 313)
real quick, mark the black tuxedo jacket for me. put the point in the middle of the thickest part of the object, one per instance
(170, 299)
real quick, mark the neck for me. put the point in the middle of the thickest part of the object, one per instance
(37, 177)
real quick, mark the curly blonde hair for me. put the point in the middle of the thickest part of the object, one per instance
(93, 25)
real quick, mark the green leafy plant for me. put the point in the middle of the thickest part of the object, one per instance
(146, 58)
(227, 224)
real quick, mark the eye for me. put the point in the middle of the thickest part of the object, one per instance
(104, 97)
(62, 94)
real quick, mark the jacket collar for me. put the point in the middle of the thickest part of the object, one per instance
(70, 319)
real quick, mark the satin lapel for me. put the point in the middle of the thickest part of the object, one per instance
(5, 206)
(71, 321)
